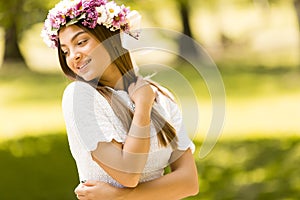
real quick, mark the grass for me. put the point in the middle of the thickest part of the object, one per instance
(251, 169)
(30, 102)
(264, 168)
(259, 100)
(37, 168)
(257, 156)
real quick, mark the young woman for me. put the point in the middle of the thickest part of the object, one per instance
(123, 130)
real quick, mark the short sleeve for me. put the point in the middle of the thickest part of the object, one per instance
(184, 142)
(175, 118)
(89, 116)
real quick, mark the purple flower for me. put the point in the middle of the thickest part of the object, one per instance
(77, 10)
(90, 13)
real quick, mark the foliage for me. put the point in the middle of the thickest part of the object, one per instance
(15, 17)
(216, 4)
(37, 168)
(24, 13)
(261, 168)
(258, 168)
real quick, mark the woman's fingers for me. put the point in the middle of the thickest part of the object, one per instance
(136, 86)
(79, 191)
(90, 183)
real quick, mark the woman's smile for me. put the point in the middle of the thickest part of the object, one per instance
(83, 53)
(83, 66)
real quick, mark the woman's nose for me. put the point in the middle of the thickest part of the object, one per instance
(76, 56)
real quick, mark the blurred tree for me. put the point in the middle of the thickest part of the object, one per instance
(297, 9)
(152, 7)
(15, 17)
(184, 8)
(186, 45)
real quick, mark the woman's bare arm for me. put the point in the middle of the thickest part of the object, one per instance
(181, 182)
(125, 162)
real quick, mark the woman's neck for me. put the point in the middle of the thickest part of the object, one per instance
(113, 78)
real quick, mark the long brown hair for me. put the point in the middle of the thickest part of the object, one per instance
(120, 56)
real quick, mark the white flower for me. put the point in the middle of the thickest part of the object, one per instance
(108, 22)
(134, 20)
(46, 39)
(102, 15)
(112, 9)
(110, 15)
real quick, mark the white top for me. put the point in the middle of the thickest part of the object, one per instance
(90, 119)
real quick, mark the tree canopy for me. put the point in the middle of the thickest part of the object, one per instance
(17, 16)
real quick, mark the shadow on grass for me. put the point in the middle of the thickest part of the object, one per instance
(37, 168)
(42, 168)
(251, 169)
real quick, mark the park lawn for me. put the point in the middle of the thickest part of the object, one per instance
(257, 161)
(263, 168)
(30, 102)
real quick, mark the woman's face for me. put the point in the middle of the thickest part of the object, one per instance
(85, 55)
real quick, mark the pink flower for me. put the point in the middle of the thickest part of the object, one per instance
(89, 13)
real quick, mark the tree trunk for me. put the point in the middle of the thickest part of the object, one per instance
(184, 12)
(186, 43)
(12, 53)
(297, 9)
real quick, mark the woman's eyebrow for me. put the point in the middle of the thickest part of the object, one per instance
(75, 36)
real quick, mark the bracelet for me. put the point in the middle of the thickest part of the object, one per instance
(141, 132)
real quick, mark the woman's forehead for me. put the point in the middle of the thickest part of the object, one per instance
(67, 33)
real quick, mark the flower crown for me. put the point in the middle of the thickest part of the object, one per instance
(90, 13)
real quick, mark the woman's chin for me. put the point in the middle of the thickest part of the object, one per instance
(90, 78)
(87, 77)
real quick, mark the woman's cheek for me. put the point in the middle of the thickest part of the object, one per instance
(70, 65)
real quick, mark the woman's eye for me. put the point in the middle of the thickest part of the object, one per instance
(81, 42)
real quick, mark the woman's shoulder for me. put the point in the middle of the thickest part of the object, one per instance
(78, 85)
(80, 91)
(165, 100)
(82, 99)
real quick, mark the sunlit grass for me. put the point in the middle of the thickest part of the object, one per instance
(258, 102)
(30, 103)
(263, 116)
(31, 119)
(260, 168)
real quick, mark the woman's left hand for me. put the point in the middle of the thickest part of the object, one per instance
(96, 190)
(141, 92)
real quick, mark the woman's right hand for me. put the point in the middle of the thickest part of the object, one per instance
(141, 93)
(97, 190)
(166, 187)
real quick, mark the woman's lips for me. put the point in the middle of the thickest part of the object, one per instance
(83, 66)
